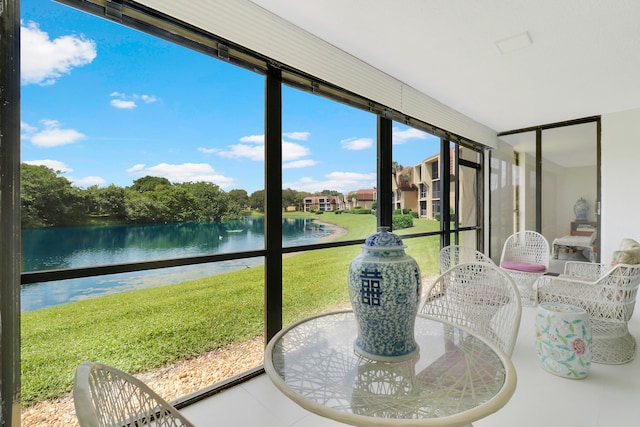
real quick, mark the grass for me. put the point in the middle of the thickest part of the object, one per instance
(144, 329)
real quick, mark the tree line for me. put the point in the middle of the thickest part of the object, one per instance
(48, 199)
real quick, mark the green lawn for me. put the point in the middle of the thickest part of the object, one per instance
(145, 329)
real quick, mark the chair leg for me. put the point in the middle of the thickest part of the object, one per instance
(528, 295)
(526, 286)
(612, 343)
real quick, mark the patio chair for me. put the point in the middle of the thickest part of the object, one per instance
(107, 397)
(525, 257)
(608, 294)
(479, 296)
(457, 254)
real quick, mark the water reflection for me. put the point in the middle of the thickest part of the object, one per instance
(56, 248)
(70, 247)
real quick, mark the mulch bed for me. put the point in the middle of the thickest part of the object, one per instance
(171, 381)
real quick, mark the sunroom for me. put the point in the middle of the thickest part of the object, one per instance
(541, 99)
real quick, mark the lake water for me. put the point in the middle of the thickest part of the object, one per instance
(71, 247)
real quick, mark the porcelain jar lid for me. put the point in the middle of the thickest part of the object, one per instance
(383, 240)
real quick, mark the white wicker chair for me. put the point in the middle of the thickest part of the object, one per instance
(525, 257)
(107, 397)
(479, 296)
(457, 254)
(608, 294)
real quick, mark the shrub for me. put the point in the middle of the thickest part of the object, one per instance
(361, 211)
(402, 221)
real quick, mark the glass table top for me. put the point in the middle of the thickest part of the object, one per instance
(455, 379)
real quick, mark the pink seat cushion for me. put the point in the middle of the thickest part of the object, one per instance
(523, 266)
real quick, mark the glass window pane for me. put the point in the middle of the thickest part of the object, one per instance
(467, 197)
(523, 179)
(468, 238)
(569, 174)
(416, 180)
(145, 151)
(137, 169)
(184, 334)
(425, 251)
(416, 188)
(329, 166)
(316, 281)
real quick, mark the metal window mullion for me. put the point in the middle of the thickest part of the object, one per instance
(539, 180)
(598, 186)
(273, 203)
(456, 192)
(480, 204)
(384, 159)
(445, 197)
(10, 212)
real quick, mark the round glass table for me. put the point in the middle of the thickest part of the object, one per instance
(456, 378)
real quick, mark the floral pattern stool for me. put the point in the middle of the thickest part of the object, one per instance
(563, 339)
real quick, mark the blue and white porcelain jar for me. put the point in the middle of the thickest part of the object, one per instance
(384, 288)
(580, 209)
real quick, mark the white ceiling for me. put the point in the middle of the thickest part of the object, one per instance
(583, 59)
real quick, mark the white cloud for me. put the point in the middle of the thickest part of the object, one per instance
(122, 104)
(208, 150)
(51, 136)
(402, 136)
(128, 102)
(258, 139)
(148, 98)
(135, 168)
(340, 181)
(88, 181)
(251, 152)
(356, 144)
(254, 149)
(55, 165)
(292, 151)
(351, 176)
(299, 164)
(44, 60)
(26, 130)
(298, 136)
(184, 172)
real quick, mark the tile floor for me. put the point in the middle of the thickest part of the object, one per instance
(608, 397)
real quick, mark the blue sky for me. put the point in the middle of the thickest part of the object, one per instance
(105, 104)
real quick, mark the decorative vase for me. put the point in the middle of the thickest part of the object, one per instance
(563, 340)
(580, 209)
(384, 288)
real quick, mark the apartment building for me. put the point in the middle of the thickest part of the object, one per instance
(419, 189)
(363, 198)
(321, 203)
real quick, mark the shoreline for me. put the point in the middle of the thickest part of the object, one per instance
(34, 296)
(338, 231)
